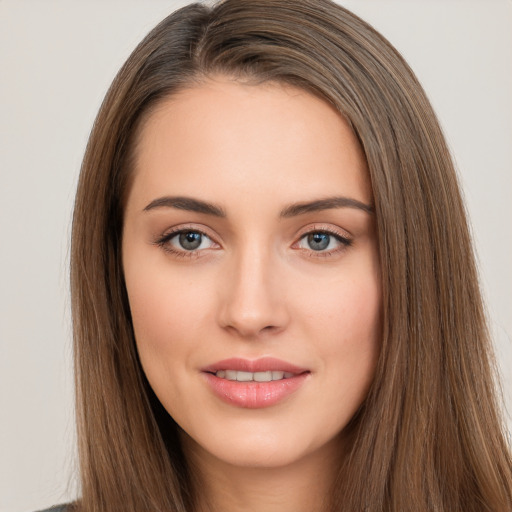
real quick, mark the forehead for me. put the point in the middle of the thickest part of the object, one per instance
(230, 138)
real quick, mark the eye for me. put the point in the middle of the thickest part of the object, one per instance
(323, 242)
(186, 241)
(190, 241)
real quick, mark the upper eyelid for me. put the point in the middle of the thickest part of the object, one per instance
(345, 240)
(170, 232)
(324, 228)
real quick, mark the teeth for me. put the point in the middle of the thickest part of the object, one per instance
(263, 376)
(230, 374)
(244, 376)
(250, 376)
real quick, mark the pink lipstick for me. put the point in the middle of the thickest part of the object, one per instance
(254, 384)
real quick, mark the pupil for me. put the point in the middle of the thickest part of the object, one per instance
(190, 240)
(318, 241)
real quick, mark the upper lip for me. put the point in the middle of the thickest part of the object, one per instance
(263, 364)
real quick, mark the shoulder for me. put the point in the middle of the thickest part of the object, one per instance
(57, 508)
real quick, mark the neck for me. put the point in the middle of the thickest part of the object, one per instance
(302, 486)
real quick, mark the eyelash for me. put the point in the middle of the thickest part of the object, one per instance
(164, 240)
(344, 241)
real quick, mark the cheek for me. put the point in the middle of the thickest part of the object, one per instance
(159, 294)
(347, 310)
(345, 321)
(162, 316)
(165, 315)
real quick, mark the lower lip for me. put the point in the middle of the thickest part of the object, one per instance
(254, 395)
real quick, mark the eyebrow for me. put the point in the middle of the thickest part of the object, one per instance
(325, 204)
(186, 203)
(293, 210)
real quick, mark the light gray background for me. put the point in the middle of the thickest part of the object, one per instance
(57, 59)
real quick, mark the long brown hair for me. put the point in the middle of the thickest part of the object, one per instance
(429, 435)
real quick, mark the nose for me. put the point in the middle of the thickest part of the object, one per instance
(253, 297)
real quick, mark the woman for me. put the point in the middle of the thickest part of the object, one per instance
(274, 295)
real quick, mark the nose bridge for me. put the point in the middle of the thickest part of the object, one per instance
(253, 300)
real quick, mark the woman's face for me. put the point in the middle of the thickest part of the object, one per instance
(251, 264)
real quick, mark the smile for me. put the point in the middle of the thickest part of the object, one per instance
(254, 384)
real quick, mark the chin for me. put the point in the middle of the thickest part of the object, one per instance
(259, 450)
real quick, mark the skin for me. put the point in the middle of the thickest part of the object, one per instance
(254, 287)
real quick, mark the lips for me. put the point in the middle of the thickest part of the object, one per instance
(266, 376)
(254, 384)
